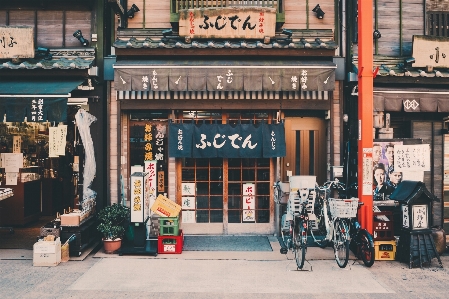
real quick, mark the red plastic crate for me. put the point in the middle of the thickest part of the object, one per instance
(170, 244)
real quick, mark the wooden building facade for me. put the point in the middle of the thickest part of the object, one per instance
(411, 97)
(52, 51)
(222, 65)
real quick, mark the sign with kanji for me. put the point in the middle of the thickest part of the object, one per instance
(405, 217)
(188, 217)
(249, 202)
(16, 42)
(137, 196)
(229, 22)
(150, 185)
(367, 171)
(414, 157)
(420, 217)
(188, 189)
(188, 203)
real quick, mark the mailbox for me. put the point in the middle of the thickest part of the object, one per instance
(416, 205)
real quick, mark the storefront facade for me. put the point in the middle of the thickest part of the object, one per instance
(49, 71)
(221, 125)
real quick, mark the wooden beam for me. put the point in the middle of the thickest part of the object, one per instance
(226, 104)
(224, 52)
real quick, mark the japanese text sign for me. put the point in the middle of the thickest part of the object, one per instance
(16, 42)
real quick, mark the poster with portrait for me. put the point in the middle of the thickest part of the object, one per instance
(385, 177)
(394, 162)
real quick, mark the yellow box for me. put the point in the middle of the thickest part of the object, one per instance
(165, 207)
(384, 250)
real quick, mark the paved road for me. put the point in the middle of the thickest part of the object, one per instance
(218, 275)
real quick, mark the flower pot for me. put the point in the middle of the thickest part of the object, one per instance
(111, 246)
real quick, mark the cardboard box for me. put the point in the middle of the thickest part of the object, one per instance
(70, 219)
(47, 253)
(385, 250)
(165, 207)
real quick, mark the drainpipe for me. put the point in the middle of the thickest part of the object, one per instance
(365, 113)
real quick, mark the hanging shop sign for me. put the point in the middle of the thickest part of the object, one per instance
(16, 42)
(249, 202)
(232, 22)
(430, 51)
(150, 186)
(226, 141)
(34, 109)
(225, 76)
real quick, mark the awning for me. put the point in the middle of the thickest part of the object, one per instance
(37, 101)
(415, 100)
(224, 75)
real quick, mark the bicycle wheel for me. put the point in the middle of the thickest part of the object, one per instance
(299, 245)
(365, 247)
(341, 242)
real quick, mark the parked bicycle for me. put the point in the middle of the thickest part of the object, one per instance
(295, 223)
(336, 220)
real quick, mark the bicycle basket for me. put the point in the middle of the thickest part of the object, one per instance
(343, 208)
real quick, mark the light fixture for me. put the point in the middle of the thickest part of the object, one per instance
(376, 34)
(132, 11)
(43, 53)
(167, 32)
(287, 32)
(319, 12)
(80, 37)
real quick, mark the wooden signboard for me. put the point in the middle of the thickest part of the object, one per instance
(16, 42)
(232, 22)
(430, 51)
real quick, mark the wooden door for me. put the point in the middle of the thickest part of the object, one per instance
(305, 139)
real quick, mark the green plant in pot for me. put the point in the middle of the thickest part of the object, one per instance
(112, 223)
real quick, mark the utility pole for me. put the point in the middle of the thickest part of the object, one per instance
(365, 112)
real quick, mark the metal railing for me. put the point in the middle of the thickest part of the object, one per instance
(177, 5)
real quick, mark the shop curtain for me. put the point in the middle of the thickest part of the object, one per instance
(187, 140)
(16, 109)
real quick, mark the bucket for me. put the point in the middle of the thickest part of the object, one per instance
(65, 253)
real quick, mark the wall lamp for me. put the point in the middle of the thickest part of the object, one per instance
(43, 53)
(132, 11)
(376, 34)
(319, 12)
(80, 37)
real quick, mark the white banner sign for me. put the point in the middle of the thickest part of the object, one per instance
(151, 186)
(412, 157)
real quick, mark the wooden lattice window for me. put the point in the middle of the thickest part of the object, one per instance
(438, 23)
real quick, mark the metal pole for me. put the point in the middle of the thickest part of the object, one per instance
(365, 112)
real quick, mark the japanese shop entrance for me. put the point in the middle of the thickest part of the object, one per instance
(217, 203)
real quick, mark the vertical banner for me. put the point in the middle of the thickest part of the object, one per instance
(249, 203)
(62, 137)
(274, 140)
(367, 175)
(17, 144)
(150, 185)
(137, 196)
(160, 134)
(188, 203)
(53, 142)
(180, 140)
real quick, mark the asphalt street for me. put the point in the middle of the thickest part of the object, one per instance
(217, 274)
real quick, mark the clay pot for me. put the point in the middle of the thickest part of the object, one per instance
(111, 246)
(439, 238)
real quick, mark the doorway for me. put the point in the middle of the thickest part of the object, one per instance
(306, 144)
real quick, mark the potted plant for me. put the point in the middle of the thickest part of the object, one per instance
(112, 223)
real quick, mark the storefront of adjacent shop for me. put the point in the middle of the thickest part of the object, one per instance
(220, 133)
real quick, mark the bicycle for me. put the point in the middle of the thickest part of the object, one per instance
(333, 218)
(295, 223)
